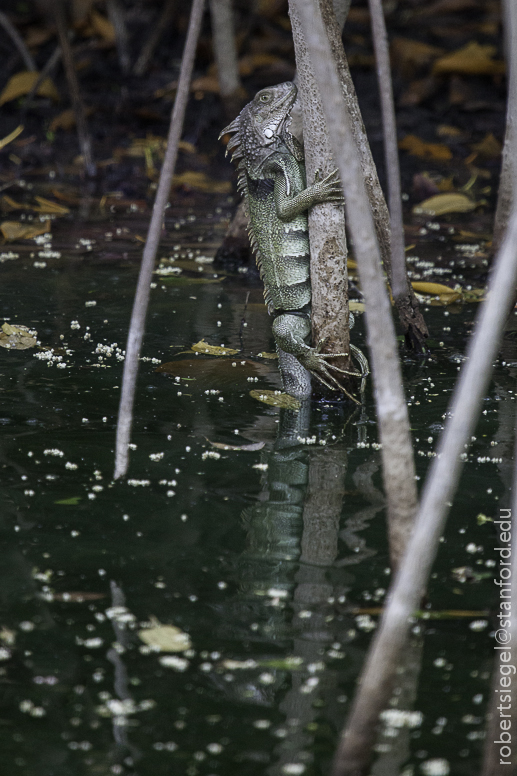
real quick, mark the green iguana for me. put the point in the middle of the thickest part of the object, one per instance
(272, 179)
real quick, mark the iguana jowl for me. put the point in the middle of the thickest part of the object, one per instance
(272, 179)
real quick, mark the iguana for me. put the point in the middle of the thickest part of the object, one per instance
(270, 163)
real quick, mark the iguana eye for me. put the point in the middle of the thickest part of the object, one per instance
(265, 97)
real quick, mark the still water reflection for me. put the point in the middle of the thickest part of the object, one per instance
(273, 561)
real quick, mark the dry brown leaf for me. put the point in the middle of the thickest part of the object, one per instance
(103, 27)
(17, 337)
(201, 182)
(417, 147)
(22, 83)
(407, 55)
(446, 130)
(14, 230)
(472, 59)
(251, 62)
(12, 136)
(206, 83)
(47, 206)
(212, 350)
(65, 120)
(442, 204)
(7, 204)
(489, 147)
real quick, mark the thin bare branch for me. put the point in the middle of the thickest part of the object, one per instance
(18, 41)
(116, 17)
(149, 47)
(50, 64)
(386, 651)
(399, 282)
(397, 454)
(140, 305)
(85, 141)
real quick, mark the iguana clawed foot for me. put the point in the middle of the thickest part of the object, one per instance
(316, 363)
(327, 189)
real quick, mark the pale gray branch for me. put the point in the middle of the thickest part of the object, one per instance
(137, 325)
(18, 41)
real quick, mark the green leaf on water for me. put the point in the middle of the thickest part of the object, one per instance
(69, 502)
(276, 399)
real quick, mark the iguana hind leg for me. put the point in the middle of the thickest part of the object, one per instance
(290, 332)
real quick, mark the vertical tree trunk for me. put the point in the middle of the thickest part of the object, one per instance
(410, 316)
(225, 52)
(505, 197)
(329, 278)
(399, 285)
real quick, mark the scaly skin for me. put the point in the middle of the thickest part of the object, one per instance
(272, 180)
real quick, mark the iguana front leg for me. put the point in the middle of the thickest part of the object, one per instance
(289, 205)
(290, 332)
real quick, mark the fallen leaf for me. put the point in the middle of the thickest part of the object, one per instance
(441, 204)
(445, 294)
(47, 206)
(165, 638)
(251, 447)
(417, 147)
(17, 337)
(103, 27)
(8, 203)
(9, 138)
(264, 354)
(174, 280)
(201, 182)
(22, 83)
(472, 59)
(66, 119)
(407, 55)
(77, 597)
(489, 147)
(446, 130)
(206, 83)
(13, 230)
(69, 502)
(212, 350)
(276, 399)
(356, 307)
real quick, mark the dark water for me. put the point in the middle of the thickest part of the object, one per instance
(273, 561)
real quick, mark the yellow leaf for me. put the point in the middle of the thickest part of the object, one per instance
(435, 289)
(276, 399)
(201, 182)
(8, 204)
(47, 206)
(22, 83)
(9, 138)
(472, 59)
(264, 354)
(206, 83)
(14, 230)
(212, 350)
(103, 27)
(446, 295)
(489, 147)
(165, 638)
(65, 120)
(351, 264)
(356, 307)
(16, 337)
(442, 204)
(417, 147)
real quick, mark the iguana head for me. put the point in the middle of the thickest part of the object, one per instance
(262, 128)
